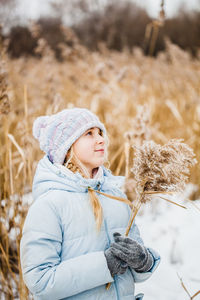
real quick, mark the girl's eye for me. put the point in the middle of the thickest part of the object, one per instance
(89, 132)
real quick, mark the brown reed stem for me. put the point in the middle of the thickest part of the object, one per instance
(155, 30)
(127, 154)
(184, 287)
(6, 159)
(186, 290)
(26, 133)
(172, 202)
(117, 153)
(5, 285)
(10, 169)
(113, 197)
(120, 164)
(134, 212)
(197, 293)
(157, 192)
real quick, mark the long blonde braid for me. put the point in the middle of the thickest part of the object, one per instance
(74, 165)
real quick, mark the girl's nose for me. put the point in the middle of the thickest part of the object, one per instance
(100, 139)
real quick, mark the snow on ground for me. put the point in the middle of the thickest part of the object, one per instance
(175, 233)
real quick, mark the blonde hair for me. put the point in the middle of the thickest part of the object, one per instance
(74, 164)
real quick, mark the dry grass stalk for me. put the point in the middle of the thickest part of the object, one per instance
(127, 155)
(11, 171)
(20, 150)
(116, 154)
(26, 135)
(140, 132)
(113, 197)
(170, 201)
(120, 164)
(152, 30)
(4, 98)
(186, 290)
(140, 126)
(134, 213)
(170, 104)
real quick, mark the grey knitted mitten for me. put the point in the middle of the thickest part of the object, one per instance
(115, 264)
(134, 254)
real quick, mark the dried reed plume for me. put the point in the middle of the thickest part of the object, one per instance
(140, 129)
(159, 168)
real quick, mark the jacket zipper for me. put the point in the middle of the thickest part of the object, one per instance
(109, 242)
(115, 277)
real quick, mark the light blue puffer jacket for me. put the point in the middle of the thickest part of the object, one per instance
(61, 252)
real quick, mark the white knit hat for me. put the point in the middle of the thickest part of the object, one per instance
(56, 133)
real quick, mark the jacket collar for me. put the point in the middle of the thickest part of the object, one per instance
(50, 176)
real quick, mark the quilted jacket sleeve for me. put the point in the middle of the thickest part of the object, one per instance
(45, 275)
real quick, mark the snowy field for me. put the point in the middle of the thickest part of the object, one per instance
(175, 233)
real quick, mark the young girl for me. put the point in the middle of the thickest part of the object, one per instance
(72, 242)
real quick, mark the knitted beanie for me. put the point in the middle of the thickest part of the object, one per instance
(56, 133)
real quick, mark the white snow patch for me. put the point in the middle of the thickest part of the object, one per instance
(174, 233)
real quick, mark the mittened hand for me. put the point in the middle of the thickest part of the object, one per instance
(115, 264)
(133, 253)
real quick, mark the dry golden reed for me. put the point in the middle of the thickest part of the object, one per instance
(4, 98)
(160, 170)
(112, 85)
(164, 168)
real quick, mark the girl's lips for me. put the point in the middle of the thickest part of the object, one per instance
(101, 150)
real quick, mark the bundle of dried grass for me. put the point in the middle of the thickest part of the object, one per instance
(160, 170)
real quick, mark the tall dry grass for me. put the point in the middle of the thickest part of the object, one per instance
(112, 85)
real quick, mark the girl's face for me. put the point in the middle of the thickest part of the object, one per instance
(90, 148)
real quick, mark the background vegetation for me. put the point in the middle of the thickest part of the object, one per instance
(47, 67)
(119, 25)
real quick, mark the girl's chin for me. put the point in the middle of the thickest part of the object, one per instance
(98, 164)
